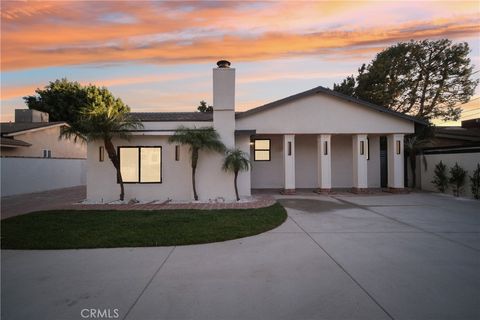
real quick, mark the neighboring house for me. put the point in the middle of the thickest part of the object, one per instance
(450, 145)
(318, 139)
(31, 135)
(34, 158)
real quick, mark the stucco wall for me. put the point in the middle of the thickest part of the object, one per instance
(27, 175)
(176, 184)
(47, 139)
(323, 114)
(269, 174)
(468, 161)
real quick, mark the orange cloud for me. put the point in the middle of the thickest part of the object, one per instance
(41, 34)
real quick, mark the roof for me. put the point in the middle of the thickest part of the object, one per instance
(8, 142)
(172, 116)
(330, 92)
(468, 134)
(15, 127)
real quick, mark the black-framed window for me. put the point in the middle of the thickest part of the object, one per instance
(262, 149)
(141, 164)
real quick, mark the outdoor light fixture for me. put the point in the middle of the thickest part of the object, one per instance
(177, 153)
(289, 148)
(325, 147)
(362, 147)
(101, 154)
(398, 147)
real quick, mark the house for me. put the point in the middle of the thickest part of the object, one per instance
(32, 135)
(35, 159)
(318, 139)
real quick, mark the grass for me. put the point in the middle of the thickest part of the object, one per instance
(75, 229)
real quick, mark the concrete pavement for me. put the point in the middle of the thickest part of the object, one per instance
(413, 256)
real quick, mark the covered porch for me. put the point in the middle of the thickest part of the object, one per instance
(327, 161)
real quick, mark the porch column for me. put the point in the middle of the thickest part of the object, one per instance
(359, 151)
(289, 163)
(324, 164)
(395, 162)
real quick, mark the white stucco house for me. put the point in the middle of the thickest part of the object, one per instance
(317, 139)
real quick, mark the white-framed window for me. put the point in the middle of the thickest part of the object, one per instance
(261, 150)
(47, 153)
(141, 164)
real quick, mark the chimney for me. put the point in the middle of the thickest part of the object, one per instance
(224, 102)
(30, 115)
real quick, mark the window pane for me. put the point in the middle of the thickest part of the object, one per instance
(262, 144)
(262, 155)
(129, 164)
(150, 161)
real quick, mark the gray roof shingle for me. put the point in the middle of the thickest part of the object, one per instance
(13, 143)
(11, 127)
(172, 116)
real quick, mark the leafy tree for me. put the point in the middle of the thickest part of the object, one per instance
(475, 182)
(235, 161)
(440, 179)
(426, 79)
(198, 139)
(204, 108)
(92, 113)
(457, 179)
(63, 100)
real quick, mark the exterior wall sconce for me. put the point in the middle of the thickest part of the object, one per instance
(289, 148)
(325, 148)
(362, 148)
(177, 153)
(101, 154)
(399, 146)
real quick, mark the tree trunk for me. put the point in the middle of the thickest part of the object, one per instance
(112, 154)
(194, 169)
(236, 188)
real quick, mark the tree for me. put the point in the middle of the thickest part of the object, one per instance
(235, 161)
(457, 179)
(94, 114)
(198, 139)
(426, 79)
(204, 108)
(440, 179)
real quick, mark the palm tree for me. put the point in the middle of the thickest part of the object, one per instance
(104, 118)
(198, 139)
(235, 161)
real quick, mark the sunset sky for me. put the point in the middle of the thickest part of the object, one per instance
(158, 56)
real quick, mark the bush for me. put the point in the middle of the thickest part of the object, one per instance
(475, 180)
(440, 180)
(457, 179)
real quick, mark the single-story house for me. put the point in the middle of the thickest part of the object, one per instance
(317, 139)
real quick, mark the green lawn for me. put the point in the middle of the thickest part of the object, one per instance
(74, 229)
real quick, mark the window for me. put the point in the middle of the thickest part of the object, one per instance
(141, 164)
(262, 149)
(101, 154)
(47, 153)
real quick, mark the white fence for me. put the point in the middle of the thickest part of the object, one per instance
(467, 161)
(27, 175)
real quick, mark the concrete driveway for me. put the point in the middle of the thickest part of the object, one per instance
(414, 256)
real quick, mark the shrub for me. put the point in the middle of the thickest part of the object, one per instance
(457, 179)
(440, 180)
(475, 182)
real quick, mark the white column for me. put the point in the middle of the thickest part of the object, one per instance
(395, 161)
(289, 163)
(360, 170)
(324, 163)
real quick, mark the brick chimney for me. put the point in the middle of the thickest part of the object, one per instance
(224, 102)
